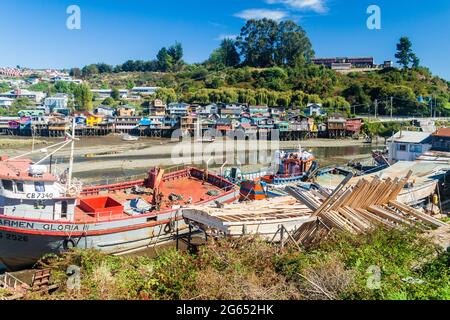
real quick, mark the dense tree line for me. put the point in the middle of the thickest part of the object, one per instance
(167, 60)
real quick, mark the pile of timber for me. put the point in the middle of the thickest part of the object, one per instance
(273, 209)
(360, 208)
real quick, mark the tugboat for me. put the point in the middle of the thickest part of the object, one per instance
(42, 212)
(293, 167)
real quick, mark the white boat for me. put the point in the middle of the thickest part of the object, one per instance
(422, 184)
(128, 137)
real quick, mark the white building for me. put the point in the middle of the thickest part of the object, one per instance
(144, 90)
(106, 93)
(314, 109)
(59, 101)
(36, 97)
(6, 102)
(408, 145)
(66, 79)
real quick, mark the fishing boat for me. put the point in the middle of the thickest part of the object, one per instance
(43, 212)
(419, 189)
(292, 167)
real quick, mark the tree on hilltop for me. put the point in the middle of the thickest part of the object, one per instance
(405, 55)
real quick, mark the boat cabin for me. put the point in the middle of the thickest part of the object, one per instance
(30, 191)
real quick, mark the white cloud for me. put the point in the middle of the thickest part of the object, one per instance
(226, 36)
(314, 5)
(248, 14)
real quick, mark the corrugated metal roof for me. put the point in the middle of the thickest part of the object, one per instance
(411, 137)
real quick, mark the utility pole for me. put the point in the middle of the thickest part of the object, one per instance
(392, 107)
(376, 108)
(432, 107)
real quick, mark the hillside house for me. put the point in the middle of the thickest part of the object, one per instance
(31, 113)
(145, 91)
(94, 120)
(6, 102)
(336, 126)
(126, 111)
(262, 111)
(35, 97)
(179, 109)
(353, 126)
(126, 123)
(231, 111)
(59, 101)
(208, 110)
(157, 108)
(105, 111)
(314, 110)
(107, 93)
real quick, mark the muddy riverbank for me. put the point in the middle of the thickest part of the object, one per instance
(99, 159)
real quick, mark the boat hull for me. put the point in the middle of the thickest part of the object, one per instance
(23, 242)
(19, 250)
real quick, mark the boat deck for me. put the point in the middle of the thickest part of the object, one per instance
(190, 190)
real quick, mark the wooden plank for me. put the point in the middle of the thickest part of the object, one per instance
(349, 216)
(429, 220)
(335, 192)
(388, 215)
(376, 219)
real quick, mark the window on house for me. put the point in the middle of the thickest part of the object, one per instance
(8, 185)
(401, 147)
(19, 185)
(39, 186)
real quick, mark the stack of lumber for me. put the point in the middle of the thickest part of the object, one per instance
(265, 210)
(360, 208)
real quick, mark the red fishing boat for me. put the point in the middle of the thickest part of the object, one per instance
(42, 212)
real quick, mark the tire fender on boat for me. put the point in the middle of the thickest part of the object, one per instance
(69, 244)
(169, 227)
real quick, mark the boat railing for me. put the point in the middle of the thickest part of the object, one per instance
(110, 181)
(137, 177)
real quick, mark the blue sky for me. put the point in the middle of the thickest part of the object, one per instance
(34, 32)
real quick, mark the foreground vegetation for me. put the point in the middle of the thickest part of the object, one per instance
(341, 267)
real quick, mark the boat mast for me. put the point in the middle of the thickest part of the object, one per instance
(199, 133)
(72, 150)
